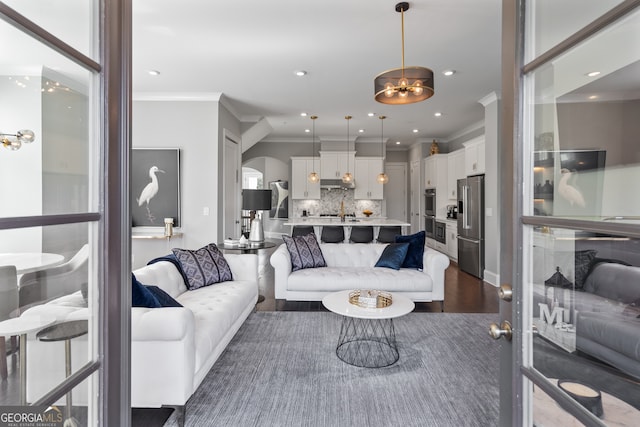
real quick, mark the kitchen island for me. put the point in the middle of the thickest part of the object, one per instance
(318, 222)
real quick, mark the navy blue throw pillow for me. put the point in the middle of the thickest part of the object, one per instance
(163, 298)
(393, 256)
(141, 296)
(416, 249)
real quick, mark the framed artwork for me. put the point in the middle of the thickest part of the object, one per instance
(155, 186)
(279, 199)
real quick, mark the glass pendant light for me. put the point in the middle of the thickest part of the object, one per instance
(382, 177)
(313, 176)
(347, 178)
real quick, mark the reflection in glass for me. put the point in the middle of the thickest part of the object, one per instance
(585, 309)
(584, 128)
(53, 282)
(46, 93)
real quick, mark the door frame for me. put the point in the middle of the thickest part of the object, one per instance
(514, 396)
(231, 193)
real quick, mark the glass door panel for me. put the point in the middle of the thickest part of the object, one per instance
(581, 246)
(584, 302)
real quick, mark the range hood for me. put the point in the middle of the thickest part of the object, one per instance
(336, 183)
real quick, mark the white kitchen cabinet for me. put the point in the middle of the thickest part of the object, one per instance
(301, 188)
(474, 156)
(435, 171)
(431, 243)
(455, 171)
(333, 164)
(452, 241)
(366, 177)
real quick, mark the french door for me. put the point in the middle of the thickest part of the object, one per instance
(570, 247)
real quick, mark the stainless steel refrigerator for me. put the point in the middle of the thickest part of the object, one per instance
(471, 225)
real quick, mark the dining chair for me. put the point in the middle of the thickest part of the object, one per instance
(388, 233)
(8, 306)
(332, 234)
(44, 285)
(361, 234)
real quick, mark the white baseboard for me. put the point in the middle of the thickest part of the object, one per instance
(492, 278)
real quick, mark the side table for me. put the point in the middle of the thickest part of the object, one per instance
(65, 331)
(22, 326)
(252, 248)
(367, 335)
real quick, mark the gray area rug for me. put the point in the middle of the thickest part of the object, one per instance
(281, 370)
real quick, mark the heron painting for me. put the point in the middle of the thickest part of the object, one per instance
(155, 187)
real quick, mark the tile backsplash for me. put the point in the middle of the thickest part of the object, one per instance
(329, 203)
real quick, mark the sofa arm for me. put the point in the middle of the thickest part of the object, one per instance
(162, 324)
(435, 263)
(243, 266)
(281, 263)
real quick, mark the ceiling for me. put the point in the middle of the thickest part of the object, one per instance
(249, 51)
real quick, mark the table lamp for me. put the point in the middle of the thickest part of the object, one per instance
(256, 200)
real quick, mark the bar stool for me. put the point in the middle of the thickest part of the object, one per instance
(65, 332)
(301, 230)
(332, 234)
(361, 234)
(388, 233)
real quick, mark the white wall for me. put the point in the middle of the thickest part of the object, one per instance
(191, 126)
(491, 194)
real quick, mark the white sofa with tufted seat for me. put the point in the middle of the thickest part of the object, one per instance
(351, 266)
(172, 348)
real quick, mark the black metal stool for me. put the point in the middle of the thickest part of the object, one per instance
(332, 234)
(388, 233)
(301, 230)
(65, 331)
(361, 234)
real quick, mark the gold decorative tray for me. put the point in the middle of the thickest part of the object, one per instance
(370, 298)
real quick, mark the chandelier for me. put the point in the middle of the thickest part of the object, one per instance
(382, 177)
(13, 141)
(347, 178)
(313, 176)
(404, 85)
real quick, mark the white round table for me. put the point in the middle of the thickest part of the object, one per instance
(22, 326)
(367, 335)
(27, 262)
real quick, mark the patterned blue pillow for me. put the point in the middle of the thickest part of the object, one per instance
(304, 251)
(203, 267)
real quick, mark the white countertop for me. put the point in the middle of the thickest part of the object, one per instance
(349, 222)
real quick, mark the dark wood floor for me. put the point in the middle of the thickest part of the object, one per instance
(463, 293)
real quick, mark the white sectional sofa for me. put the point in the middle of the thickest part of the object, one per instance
(172, 348)
(351, 266)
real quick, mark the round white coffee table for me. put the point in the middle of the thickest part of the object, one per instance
(367, 335)
(22, 326)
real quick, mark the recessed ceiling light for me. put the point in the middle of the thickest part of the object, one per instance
(301, 73)
(397, 142)
(415, 131)
(437, 114)
(593, 74)
(154, 72)
(593, 97)
(303, 114)
(371, 114)
(449, 72)
(307, 130)
(360, 130)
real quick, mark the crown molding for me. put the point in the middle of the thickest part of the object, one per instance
(489, 99)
